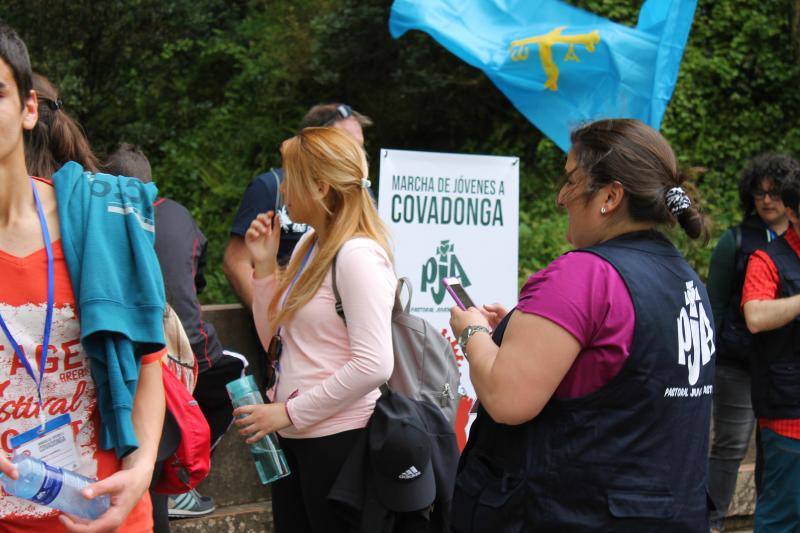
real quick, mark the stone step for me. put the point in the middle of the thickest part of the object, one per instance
(235, 329)
(744, 498)
(248, 518)
(233, 479)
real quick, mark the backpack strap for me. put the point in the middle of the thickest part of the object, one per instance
(398, 305)
(277, 188)
(336, 295)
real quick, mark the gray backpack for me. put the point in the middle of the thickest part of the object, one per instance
(425, 367)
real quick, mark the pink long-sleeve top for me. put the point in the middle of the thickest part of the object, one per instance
(330, 373)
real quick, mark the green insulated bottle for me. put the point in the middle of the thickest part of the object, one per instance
(270, 461)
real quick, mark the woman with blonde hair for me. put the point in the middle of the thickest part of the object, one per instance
(326, 385)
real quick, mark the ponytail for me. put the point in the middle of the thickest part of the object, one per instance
(691, 219)
(56, 138)
(640, 159)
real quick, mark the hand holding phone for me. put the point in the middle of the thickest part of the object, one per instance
(456, 290)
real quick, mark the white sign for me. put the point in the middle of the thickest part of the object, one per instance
(452, 215)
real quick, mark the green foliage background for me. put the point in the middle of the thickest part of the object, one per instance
(209, 89)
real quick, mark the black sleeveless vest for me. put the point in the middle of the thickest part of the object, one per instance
(775, 365)
(735, 342)
(631, 456)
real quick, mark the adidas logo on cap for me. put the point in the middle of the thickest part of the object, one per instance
(411, 473)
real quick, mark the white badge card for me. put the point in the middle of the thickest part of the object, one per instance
(55, 445)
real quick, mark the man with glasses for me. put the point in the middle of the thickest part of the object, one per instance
(262, 195)
(765, 220)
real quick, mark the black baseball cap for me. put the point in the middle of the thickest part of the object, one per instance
(399, 447)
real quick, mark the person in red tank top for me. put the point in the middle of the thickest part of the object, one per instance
(66, 385)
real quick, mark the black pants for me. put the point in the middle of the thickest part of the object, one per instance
(299, 501)
(212, 397)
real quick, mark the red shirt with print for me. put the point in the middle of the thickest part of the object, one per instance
(762, 283)
(67, 386)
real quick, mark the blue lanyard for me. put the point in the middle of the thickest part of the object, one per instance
(48, 320)
(771, 235)
(296, 276)
(276, 365)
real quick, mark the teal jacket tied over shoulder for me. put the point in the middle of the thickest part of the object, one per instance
(107, 234)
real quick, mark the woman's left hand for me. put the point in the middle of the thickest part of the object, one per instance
(125, 488)
(459, 319)
(262, 419)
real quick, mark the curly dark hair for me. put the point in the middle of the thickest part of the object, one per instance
(780, 168)
(790, 194)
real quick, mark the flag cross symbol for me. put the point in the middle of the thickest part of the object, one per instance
(519, 50)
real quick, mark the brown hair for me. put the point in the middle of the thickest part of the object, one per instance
(326, 155)
(57, 138)
(129, 160)
(327, 114)
(642, 161)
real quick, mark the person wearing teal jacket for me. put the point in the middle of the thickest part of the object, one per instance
(68, 355)
(108, 239)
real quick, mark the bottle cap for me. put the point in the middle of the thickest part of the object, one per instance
(241, 387)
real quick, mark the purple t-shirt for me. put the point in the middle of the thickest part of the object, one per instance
(586, 296)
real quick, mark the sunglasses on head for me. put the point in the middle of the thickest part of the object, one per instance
(341, 112)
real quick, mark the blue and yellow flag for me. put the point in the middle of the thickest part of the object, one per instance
(559, 65)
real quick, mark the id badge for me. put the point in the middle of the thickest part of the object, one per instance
(55, 445)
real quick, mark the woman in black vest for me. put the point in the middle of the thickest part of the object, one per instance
(764, 220)
(595, 392)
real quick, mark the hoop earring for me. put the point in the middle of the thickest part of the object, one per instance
(603, 210)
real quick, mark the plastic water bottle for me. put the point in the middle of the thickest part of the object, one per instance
(270, 460)
(53, 487)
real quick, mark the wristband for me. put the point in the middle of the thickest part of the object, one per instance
(467, 334)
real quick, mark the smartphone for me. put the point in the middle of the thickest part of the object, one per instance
(456, 290)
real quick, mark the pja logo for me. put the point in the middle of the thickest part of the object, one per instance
(695, 335)
(446, 265)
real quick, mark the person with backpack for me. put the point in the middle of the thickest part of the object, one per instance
(77, 349)
(595, 391)
(56, 139)
(328, 374)
(181, 249)
(764, 221)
